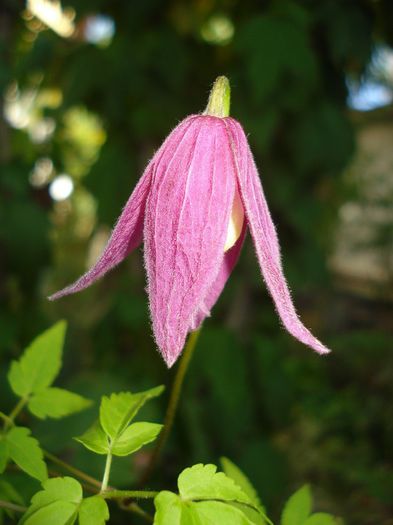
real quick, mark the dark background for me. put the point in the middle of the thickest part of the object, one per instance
(97, 111)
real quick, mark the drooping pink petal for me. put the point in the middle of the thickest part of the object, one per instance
(186, 221)
(265, 239)
(128, 231)
(230, 259)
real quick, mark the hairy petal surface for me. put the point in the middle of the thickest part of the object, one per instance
(128, 231)
(186, 222)
(265, 238)
(229, 262)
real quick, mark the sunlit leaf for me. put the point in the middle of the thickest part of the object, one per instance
(168, 509)
(134, 437)
(233, 472)
(218, 513)
(204, 482)
(321, 518)
(117, 410)
(25, 451)
(95, 439)
(57, 503)
(241, 480)
(56, 513)
(56, 403)
(172, 510)
(40, 363)
(93, 511)
(298, 507)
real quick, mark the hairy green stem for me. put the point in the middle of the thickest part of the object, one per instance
(173, 403)
(12, 506)
(105, 479)
(134, 494)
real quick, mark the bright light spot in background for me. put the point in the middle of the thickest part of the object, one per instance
(18, 106)
(23, 109)
(61, 187)
(42, 172)
(42, 130)
(99, 29)
(368, 95)
(53, 16)
(218, 30)
(375, 89)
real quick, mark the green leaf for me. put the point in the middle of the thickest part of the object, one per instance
(40, 363)
(117, 411)
(4, 453)
(172, 510)
(168, 508)
(56, 403)
(321, 518)
(134, 437)
(204, 482)
(241, 480)
(95, 439)
(93, 511)
(54, 489)
(25, 451)
(56, 504)
(216, 512)
(233, 472)
(56, 513)
(298, 507)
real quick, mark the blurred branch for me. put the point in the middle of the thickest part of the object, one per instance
(11, 506)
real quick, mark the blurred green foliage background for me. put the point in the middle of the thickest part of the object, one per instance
(84, 106)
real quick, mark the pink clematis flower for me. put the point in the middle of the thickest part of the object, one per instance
(192, 207)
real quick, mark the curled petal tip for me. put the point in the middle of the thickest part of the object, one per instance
(265, 239)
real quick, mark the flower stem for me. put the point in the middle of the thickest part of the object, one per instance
(219, 99)
(173, 403)
(105, 479)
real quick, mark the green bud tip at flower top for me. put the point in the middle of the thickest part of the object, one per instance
(219, 99)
